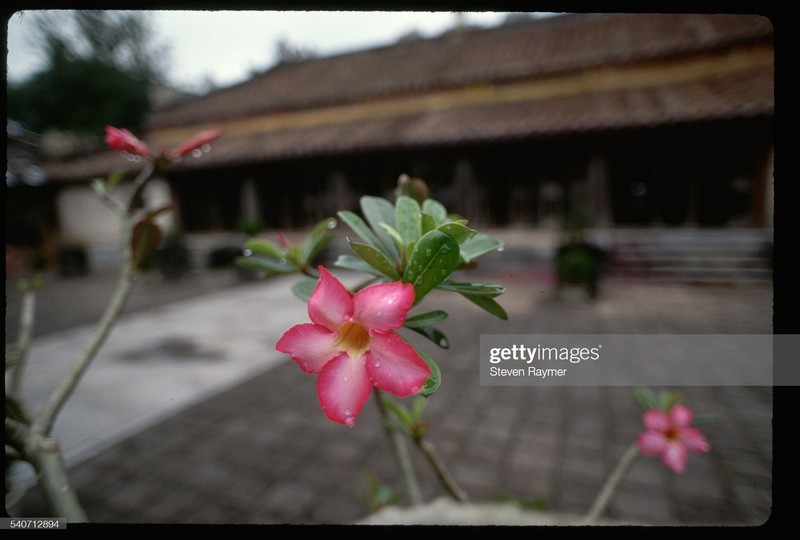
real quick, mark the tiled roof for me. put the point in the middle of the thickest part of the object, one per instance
(565, 75)
(537, 49)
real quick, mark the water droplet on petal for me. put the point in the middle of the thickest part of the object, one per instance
(197, 153)
(346, 378)
(414, 389)
(376, 363)
(350, 421)
(206, 148)
(348, 412)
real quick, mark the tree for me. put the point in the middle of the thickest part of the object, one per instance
(289, 53)
(101, 68)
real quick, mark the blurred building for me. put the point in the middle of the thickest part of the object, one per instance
(636, 122)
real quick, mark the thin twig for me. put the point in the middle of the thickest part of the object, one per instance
(401, 456)
(604, 497)
(44, 422)
(138, 184)
(24, 337)
(447, 480)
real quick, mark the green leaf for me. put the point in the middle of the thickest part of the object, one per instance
(354, 263)
(433, 259)
(304, 288)
(375, 259)
(430, 318)
(294, 255)
(488, 304)
(408, 219)
(359, 227)
(428, 223)
(158, 211)
(436, 210)
(401, 413)
(478, 245)
(459, 232)
(433, 334)
(145, 239)
(265, 247)
(378, 210)
(644, 397)
(480, 289)
(114, 178)
(417, 408)
(99, 187)
(434, 379)
(318, 238)
(666, 399)
(262, 264)
(395, 236)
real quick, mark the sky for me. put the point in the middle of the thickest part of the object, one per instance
(225, 47)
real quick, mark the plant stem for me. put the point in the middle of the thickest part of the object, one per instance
(35, 443)
(401, 456)
(604, 497)
(24, 339)
(45, 456)
(450, 484)
(44, 422)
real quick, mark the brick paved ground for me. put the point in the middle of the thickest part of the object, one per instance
(264, 453)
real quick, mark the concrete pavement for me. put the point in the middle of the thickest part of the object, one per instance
(190, 416)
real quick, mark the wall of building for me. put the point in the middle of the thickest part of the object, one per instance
(84, 220)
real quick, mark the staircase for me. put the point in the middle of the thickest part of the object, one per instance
(691, 255)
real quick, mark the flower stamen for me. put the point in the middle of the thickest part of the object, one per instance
(353, 338)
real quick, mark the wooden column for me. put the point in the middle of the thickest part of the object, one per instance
(599, 191)
(249, 205)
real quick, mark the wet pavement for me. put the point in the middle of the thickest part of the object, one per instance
(190, 416)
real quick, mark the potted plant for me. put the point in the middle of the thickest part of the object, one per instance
(579, 262)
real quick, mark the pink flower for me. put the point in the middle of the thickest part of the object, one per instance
(199, 140)
(351, 345)
(671, 437)
(124, 140)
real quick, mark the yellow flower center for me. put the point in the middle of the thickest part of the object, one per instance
(353, 338)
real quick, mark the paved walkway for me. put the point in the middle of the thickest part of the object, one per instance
(190, 416)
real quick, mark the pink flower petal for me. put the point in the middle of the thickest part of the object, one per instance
(124, 140)
(655, 419)
(343, 387)
(675, 457)
(680, 416)
(694, 440)
(383, 307)
(195, 142)
(330, 304)
(310, 345)
(394, 366)
(651, 443)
